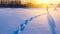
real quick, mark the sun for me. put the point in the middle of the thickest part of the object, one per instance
(42, 1)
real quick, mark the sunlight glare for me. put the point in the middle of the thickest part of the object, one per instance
(42, 1)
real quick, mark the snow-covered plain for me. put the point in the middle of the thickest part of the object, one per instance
(11, 18)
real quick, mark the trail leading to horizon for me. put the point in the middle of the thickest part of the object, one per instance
(51, 23)
(23, 25)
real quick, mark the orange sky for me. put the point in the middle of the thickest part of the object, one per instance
(40, 1)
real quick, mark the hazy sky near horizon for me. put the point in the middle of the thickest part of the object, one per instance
(34, 1)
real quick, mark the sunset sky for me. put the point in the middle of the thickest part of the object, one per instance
(40, 1)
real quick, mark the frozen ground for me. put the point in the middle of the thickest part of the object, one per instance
(11, 18)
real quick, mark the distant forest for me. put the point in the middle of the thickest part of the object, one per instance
(17, 4)
(12, 4)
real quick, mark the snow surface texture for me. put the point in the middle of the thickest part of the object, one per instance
(29, 21)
